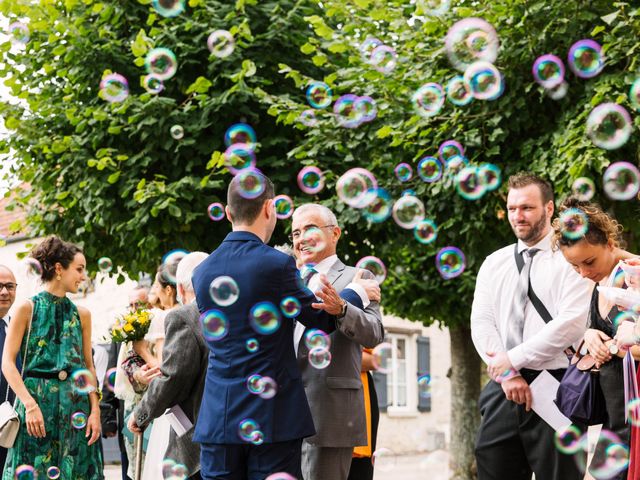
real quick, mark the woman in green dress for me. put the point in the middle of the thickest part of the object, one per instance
(57, 397)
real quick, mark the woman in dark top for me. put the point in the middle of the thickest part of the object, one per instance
(595, 254)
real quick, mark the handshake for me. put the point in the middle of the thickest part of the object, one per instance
(332, 303)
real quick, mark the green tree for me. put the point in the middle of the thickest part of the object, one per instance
(111, 176)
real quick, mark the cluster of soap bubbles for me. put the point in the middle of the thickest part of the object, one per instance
(265, 387)
(380, 56)
(319, 345)
(249, 431)
(172, 470)
(611, 457)
(350, 111)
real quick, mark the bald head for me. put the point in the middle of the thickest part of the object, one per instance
(7, 289)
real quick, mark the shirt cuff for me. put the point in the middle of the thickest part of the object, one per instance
(359, 289)
(517, 357)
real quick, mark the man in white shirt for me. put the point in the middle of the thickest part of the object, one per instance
(8, 287)
(512, 335)
(335, 392)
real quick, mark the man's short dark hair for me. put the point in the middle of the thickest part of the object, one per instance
(244, 211)
(524, 179)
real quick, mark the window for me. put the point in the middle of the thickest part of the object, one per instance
(397, 386)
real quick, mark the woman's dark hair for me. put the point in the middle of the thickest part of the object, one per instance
(167, 277)
(602, 228)
(54, 250)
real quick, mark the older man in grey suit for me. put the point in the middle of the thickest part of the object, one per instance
(335, 393)
(184, 367)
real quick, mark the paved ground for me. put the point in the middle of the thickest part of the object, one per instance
(410, 467)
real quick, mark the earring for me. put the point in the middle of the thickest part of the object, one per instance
(58, 277)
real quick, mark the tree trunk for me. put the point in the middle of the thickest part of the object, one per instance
(465, 389)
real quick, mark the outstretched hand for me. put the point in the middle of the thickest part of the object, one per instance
(331, 302)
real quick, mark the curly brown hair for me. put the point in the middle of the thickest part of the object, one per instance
(54, 250)
(602, 228)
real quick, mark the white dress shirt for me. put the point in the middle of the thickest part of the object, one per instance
(562, 291)
(314, 284)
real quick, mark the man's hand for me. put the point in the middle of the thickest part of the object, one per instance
(370, 286)
(331, 302)
(132, 425)
(500, 364)
(517, 390)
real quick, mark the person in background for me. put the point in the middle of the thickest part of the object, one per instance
(183, 368)
(517, 342)
(595, 254)
(8, 287)
(361, 463)
(59, 415)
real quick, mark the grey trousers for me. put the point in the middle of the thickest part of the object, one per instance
(325, 463)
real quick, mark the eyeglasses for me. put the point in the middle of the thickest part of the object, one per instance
(11, 287)
(296, 234)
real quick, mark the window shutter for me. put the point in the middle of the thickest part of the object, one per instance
(380, 382)
(424, 367)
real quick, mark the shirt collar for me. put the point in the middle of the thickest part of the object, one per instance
(543, 245)
(6, 320)
(325, 265)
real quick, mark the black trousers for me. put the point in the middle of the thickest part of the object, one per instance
(513, 443)
(362, 468)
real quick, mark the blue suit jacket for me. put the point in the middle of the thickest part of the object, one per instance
(262, 274)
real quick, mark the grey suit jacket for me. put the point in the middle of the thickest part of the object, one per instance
(335, 394)
(184, 367)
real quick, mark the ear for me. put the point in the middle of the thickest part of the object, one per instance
(337, 232)
(227, 210)
(268, 208)
(550, 208)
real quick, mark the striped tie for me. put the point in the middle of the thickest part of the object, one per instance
(516, 320)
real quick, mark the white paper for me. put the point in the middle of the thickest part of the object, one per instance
(543, 392)
(178, 420)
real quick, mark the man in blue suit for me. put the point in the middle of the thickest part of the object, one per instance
(245, 433)
(8, 287)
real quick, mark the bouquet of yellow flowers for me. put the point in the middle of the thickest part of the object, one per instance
(131, 326)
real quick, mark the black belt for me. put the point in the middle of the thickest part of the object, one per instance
(530, 375)
(61, 375)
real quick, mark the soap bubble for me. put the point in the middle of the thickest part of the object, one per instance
(450, 262)
(19, 33)
(384, 59)
(162, 63)
(308, 118)
(264, 318)
(585, 58)
(574, 223)
(459, 91)
(216, 211)
(240, 133)
(316, 338)
(110, 378)
(403, 172)
(485, 80)
(408, 211)
(79, 420)
(177, 132)
(248, 430)
(311, 180)
(490, 176)
(609, 126)
(319, 95)
(430, 169)
(433, 8)
(621, 181)
(221, 43)
(583, 189)
(53, 473)
(548, 71)
(380, 208)
(633, 411)
(215, 325)
(251, 183)
(375, 266)
(239, 156)
(368, 46)
(290, 307)
(426, 231)
(568, 439)
(468, 184)
(357, 187)
(114, 88)
(252, 345)
(558, 92)
(319, 358)
(428, 99)
(382, 357)
(449, 149)
(284, 206)
(33, 268)
(269, 388)
(347, 115)
(470, 40)
(280, 476)
(171, 260)
(224, 291)
(168, 8)
(152, 84)
(634, 94)
(424, 386)
(83, 381)
(367, 107)
(25, 472)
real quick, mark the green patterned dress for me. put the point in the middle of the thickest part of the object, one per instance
(55, 344)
